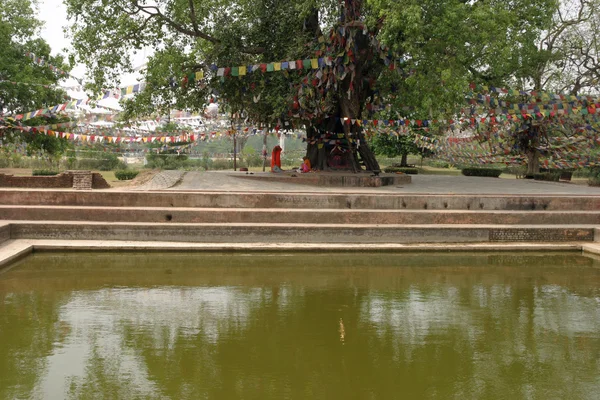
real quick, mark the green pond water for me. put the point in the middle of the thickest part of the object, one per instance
(300, 326)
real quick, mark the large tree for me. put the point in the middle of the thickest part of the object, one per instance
(418, 56)
(24, 84)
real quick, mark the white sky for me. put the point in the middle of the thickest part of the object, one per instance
(54, 15)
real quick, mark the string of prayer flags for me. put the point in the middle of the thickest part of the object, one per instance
(41, 62)
(308, 64)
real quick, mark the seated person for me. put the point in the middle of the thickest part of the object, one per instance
(305, 167)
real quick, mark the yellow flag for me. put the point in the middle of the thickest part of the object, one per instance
(277, 66)
(242, 70)
(199, 75)
(314, 62)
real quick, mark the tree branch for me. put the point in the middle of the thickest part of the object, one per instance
(193, 17)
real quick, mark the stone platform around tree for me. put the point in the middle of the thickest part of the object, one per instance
(331, 179)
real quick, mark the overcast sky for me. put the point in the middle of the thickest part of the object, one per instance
(54, 15)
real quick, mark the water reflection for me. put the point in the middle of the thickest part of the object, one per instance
(319, 326)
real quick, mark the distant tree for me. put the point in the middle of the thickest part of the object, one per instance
(395, 145)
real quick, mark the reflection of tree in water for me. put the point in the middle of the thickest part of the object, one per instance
(517, 339)
(468, 329)
(29, 330)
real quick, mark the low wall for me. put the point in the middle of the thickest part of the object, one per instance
(82, 180)
(334, 180)
(286, 233)
(37, 182)
(294, 216)
(300, 200)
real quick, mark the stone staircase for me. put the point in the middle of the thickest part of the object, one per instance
(337, 219)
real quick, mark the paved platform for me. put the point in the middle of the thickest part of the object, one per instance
(421, 184)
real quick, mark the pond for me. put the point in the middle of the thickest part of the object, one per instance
(300, 326)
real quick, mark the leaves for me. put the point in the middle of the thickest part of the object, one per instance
(22, 81)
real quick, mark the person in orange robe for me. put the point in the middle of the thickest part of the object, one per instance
(305, 165)
(276, 159)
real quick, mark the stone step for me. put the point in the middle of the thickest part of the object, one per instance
(299, 233)
(315, 200)
(295, 215)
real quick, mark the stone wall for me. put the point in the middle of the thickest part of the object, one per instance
(81, 180)
(98, 182)
(39, 182)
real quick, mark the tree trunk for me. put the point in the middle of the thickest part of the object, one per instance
(533, 162)
(404, 160)
(352, 91)
(264, 148)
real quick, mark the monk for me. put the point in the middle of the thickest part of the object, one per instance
(276, 159)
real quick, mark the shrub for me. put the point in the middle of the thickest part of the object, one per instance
(518, 170)
(547, 176)
(126, 174)
(221, 163)
(489, 172)
(44, 172)
(594, 181)
(405, 170)
(439, 164)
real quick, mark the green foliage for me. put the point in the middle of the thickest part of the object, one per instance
(166, 161)
(222, 164)
(19, 30)
(126, 174)
(94, 158)
(404, 170)
(251, 157)
(394, 145)
(489, 172)
(50, 149)
(547, 176)
(44, 172)
(594, 181)
(439, 164)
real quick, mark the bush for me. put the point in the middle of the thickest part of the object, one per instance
(594, 181)
(547, 176)
(126, 174)
(405, 170)
(166, 161)
(221, 163)
(518, 170)
(439, 164)
(44, 172)
(489, 172)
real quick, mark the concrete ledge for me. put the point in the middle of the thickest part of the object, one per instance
(300, 233)
(12, 251)
(591, 248)
(4, 232)
(294, 215)
(325, 179)
(87, 245)
(298, 200)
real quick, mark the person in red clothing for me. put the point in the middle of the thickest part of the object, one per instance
(276, 159)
